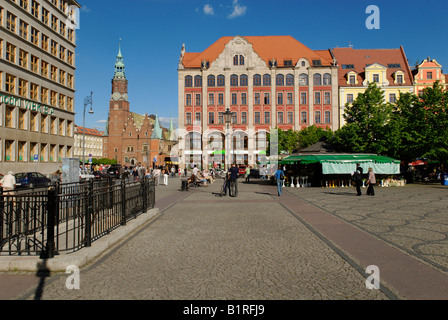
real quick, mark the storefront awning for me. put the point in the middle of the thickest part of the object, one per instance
(345, 163)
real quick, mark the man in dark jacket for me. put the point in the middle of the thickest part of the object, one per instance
(358, 179)
(233, 180)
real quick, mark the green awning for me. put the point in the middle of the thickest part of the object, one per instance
(345, 163)
(339, 158)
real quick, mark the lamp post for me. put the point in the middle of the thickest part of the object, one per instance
(227, 118)
(87, 101)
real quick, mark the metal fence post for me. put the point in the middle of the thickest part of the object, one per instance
(123, 202)
(145, 194)
(89, 211)
(52, 210)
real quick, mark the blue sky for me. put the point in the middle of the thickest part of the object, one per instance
(153, 31)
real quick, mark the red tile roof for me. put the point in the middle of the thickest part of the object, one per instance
(92, 132)
(360, 58)
(267, 47)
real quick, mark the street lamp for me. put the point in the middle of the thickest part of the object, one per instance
(87, 101)
(227, 118)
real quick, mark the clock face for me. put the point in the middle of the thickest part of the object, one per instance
(116, 95)
(125, 96)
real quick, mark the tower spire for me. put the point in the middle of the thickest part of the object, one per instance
(119, 64)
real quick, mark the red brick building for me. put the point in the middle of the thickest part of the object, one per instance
(132, 138)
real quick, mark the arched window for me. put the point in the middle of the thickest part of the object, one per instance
(198, 81)
(241, 60)
(257, 80)
(211, 80)
(280, 80)
(188, 81)
(317, 79)
(303, 79)
(327, 79)
(243, 80)
(221, 81)
(235, 60)
(303, 63)
(267, 80)
(289, 80)
(234, 80)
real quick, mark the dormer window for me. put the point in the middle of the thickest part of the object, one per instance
(376, 77)
(287, 63)
(317, 63)
(399, 77)
(352, 78)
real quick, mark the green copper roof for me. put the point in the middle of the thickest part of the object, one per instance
(157, 132)
(119, 65)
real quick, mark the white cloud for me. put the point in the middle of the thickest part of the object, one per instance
(238, 10)
(85, 9)
(101, 121)
(208, 10)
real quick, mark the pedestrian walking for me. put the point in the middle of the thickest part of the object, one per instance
(247, 174)
(279, 176)
(233, 180)
(8, 183)
(357, 178)
(371, 182)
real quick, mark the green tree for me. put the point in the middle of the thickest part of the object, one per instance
(366, 120)
(287, 141)
(434, 103)
(311, 135)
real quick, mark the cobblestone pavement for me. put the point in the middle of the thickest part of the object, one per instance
(413, 218)
(208, 247)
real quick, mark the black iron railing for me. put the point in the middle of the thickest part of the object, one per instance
(68, 217)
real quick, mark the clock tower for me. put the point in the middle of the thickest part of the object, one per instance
(119, 98)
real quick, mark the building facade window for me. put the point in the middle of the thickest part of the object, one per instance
(303, 117)
(316, 97)
(188, 81)
(280, 80)
(211, 81)
(234, 80)
(303, 79)
(327, 79)
(289, 80)
(280, 98)
(198, 81)
(244, 98)
(327, 98)
(267, 117)
(244, 80)
(266, 80)
(290, 116)
(303, 98)
(327, 116)
(317, 79)
(221, 80)
(317, 117)
(257, 117)
(257, 80)
(280, 117)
